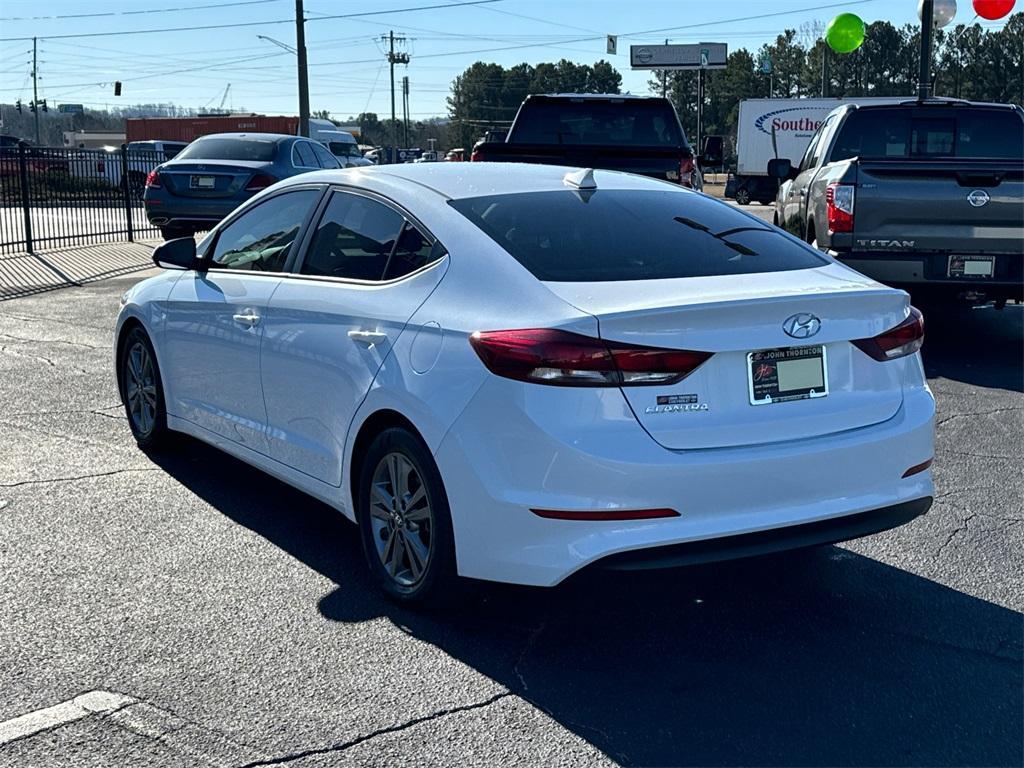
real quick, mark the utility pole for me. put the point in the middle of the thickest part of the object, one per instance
(394, 58)
(300, 49)
(924, 82)
(35, 88)
(664, 78)
(405, 107)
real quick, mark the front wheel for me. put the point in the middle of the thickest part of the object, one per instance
(404, 521)
(142, 391)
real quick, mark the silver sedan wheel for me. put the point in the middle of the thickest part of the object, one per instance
(140, 388)
(401, 520)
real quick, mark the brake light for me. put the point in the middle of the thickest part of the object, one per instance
(561, 358)
(839, 200)
(905, 339)
(100, 166)
(153, 180)
(474, 156)
(260, 181)
(686, 168)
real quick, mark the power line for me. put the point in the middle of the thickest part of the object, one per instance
(135, 13)
(238, 25)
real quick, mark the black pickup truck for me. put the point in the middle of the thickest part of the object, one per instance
(925, 195)
(614, 132)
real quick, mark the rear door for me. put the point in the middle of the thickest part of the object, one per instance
(215, 320)
(331, 326)
(937, 179)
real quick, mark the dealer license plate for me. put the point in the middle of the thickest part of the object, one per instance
(783, 375)
(203, 182)
(968, 267)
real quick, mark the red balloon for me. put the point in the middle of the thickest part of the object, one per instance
(993, 9)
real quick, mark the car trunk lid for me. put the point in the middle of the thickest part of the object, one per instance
(733, 316)
(210, 178)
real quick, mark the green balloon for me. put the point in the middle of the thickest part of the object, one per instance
(845, 33)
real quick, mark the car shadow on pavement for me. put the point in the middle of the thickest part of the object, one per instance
(980, 346)
(824, 658)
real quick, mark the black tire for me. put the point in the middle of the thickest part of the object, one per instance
(742, 196)
(174, 232)
(150, 433)
(438, 582)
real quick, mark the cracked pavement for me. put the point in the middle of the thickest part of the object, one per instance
(235, 614)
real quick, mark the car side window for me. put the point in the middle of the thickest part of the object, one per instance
(302, 155)
(805, 162)
(413, 251)
(259, 240)
(354, 239)
(326, 159)
(823, 141)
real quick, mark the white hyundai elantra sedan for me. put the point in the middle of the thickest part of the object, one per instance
(512, 372)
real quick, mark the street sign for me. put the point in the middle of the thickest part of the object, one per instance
(688, 56)
(70, 109)
(613, 44)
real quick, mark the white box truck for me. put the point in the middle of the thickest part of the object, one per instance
(794, 122)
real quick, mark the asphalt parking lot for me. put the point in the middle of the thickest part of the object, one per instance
(229, 622)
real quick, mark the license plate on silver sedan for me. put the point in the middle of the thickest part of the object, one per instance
(787, 374)
(203, 182)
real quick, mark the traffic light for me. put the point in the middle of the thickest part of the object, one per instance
(117, 88)
(45, 108)
(32, 106)
(17, 106)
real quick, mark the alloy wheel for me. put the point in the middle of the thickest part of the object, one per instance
(401, 520)
(140, 388)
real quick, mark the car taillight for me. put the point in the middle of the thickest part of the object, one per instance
(839, 199)
(153, 180)
(260, 181)
(474, 156)
(686, 167)
(561, 358)
(905, 339)
(100, 166)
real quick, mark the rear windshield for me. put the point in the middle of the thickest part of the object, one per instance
(627, 122)
(570, 236)
(229, 149)
(929, 133)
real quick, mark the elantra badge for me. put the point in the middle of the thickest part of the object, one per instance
(801, 326)
(676, 404)
(978, 198)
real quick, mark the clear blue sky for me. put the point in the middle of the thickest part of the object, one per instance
(348, 73)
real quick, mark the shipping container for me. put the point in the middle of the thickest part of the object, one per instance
(191, 128)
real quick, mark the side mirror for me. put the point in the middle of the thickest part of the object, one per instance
(176, 254)
(780, 168)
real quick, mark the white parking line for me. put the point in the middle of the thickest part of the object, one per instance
(91, 703)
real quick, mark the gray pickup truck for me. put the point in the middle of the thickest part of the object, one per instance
(924, 195)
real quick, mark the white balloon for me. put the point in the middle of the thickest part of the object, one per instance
(942, 13)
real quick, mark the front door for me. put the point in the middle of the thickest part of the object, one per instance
(215, 320)
(331, 327)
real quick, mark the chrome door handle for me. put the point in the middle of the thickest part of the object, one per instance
(246, 317)
(368, 337)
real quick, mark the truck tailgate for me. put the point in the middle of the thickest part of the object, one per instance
(955, 206)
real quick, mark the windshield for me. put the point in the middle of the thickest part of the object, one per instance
(229, 149)
(931, 133)
(629, 122)
(583, 236)
(344, 149)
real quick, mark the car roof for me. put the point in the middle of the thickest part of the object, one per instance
(596, 96)
(461, 180)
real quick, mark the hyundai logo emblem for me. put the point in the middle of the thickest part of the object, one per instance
(801, 326)
(978, 198)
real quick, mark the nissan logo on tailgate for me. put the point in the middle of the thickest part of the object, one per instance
(801, 326)
(978, 198)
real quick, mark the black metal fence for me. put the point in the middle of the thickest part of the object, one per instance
(54, 197)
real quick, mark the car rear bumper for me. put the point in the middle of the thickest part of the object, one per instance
(933, 269)
(506, 456)
(828, 531)
(167, 210)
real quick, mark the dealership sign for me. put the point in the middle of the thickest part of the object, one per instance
(689, 56)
